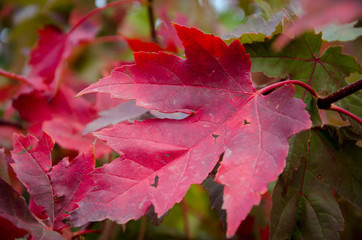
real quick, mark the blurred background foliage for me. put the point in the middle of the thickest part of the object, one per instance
(193, 218)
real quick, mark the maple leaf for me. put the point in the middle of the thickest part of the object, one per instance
(301, 60)
(162, 158)
(36, 108)
(50, 53)
(305, 204)
(55, 189)
(256, 29)
(62, 116)
(13, 208)
(68, 134)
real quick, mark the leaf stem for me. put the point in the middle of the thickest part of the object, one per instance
(13, 76)
(94, 11)
(151, 20)
(295, 82)
(325, 102)
(185, 218)
(345, 112)
(142, 232)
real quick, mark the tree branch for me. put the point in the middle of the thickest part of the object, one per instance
(325, 102)
(10, 124)
(151, 20)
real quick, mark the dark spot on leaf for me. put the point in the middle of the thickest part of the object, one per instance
(22, 152)
(58, 198)
(167, 155)
(246, 122)
(50, 169)
(215, 136)
(25, 150)
(156, 182)
(66, 220)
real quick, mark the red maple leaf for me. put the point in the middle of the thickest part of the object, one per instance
(15, 216)
(50, 53)
(62, 116)
(55, 189)
(162, 158)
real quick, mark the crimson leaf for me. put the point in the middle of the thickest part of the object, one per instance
(56, 189)
(13, 207)
(162, 158)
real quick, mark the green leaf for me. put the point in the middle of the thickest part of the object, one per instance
(341, 32)
(300, 60)
(318, 159)
(256, 29)
(298, 151)
(337, 164)
(306, 209)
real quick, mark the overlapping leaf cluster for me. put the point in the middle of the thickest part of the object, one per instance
(208, 125)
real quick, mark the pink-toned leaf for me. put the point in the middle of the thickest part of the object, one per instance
(62, 116)
(32, 161)
(38, 211)
(68, 134)
(37, 108)
(162, 158)
(54, 190)
(168, 32)
(46, 57)
(13, 208)
(52, 49)
(70, 182)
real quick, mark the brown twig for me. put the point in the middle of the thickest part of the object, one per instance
(10, 124)
(151, 20)
(325, 102)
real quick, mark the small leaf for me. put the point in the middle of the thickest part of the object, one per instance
(255, 29)
(303, 203)
(56, 191)
(307, 209)
(13, 207)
